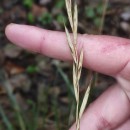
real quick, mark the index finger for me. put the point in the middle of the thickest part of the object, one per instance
(104, 54)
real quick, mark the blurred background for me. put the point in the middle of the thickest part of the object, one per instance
(36, 91)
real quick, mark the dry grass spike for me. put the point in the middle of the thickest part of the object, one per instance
(72, 12)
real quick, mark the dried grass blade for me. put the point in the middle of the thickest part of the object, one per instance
(75, 81)
(77, 114)
(69, 11)
(80, 64)
(80, 59)
(78, 124)
(85, 99)
(70, 44)
(75, 21)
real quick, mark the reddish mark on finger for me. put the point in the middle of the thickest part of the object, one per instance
(113, 47)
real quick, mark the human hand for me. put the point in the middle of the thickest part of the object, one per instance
(104, 54)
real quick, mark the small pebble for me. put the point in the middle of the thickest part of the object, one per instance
(44, 2)
(12, 51)
(126, 16)
(8, 4)
(125, 26)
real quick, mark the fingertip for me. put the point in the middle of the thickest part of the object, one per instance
(27, 37)
(10, 28)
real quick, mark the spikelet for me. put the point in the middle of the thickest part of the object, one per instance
(72, 12)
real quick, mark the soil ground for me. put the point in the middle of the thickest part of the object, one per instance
(42, 86)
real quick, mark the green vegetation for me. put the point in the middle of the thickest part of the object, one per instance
(30, 18)
(32, 69)
(61, 19)
(1, 10)
(46, 18)
(28, 3)
(95, 14)
(60, 4)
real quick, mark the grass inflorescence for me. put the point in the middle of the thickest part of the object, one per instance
(72, 12)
